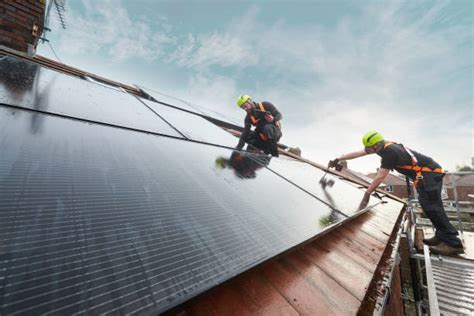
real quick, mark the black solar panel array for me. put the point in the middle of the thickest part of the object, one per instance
(107, 207)
(37, 88)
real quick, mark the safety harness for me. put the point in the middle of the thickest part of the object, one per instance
(414, 165)
(255, 121)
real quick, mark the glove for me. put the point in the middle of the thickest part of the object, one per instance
(365, 201)
(335, 164)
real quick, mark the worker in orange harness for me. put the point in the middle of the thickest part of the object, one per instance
(427, 177)
(266, 119)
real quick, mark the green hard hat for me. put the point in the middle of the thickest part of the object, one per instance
(242, 99)
(371, 138)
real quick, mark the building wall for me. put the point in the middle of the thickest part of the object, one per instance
(394, 305)
(21, 24)
(400, 191)
(463, 192)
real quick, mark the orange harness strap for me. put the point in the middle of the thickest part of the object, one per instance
(252, 118)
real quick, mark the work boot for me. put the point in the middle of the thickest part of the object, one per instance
(273, 148)
(433, 241)
(447, 250)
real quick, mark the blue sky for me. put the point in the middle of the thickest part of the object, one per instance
(335, 69)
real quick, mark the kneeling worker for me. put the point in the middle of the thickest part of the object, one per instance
(266, 119)
(427, 177)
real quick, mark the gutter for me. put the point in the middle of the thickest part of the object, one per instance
(378, 291)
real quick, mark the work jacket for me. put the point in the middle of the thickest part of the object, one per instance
(256, 118)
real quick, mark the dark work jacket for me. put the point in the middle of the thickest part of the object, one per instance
(269, 107)
(395, 155)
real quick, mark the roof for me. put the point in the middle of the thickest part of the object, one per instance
(391, 179)
(447, 180)
(112, 203)
(467, 180)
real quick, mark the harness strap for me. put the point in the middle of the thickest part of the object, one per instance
(252, 118)
(415, 167)
(414, 161)
(421, 169)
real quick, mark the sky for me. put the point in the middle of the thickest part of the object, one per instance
(335, 69)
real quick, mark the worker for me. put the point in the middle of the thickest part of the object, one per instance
(266, 119)
(427, 177)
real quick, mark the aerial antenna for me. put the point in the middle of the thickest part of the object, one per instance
(60, 6)
(61, 10)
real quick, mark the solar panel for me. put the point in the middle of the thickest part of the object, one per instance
(31, 86)
(343, 195)
(97, 219)
(193, 126)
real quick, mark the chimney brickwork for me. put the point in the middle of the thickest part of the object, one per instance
(21, 24)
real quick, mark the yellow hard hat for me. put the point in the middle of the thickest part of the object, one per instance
(371, 138)
(242, 99)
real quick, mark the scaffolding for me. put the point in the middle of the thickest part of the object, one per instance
(440, 285)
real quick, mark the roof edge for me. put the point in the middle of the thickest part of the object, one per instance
(375, 296)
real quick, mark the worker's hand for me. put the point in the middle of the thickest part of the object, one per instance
(365, 201)
(335, 164)
(268, 118)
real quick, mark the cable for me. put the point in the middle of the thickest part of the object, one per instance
(54, 52)
(192, 105)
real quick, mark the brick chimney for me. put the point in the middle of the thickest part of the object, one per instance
(21, 24)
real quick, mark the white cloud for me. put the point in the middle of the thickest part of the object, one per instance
(228, 48)
(106, 27)
(224, 50)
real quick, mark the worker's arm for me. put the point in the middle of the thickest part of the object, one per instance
(244, 134)
(353, 155)
(381, 175)
(336, 162)
(269, 107)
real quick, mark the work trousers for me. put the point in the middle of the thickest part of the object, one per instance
(271, 132)
(429, 196)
